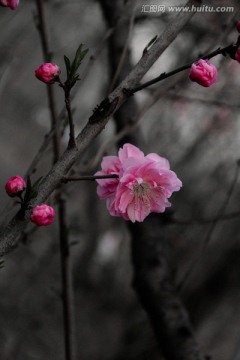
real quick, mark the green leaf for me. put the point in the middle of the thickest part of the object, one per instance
(80, 54)
(68, 65)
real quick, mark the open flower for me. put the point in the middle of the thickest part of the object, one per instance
(144, 184)
(144, 187)
(42, 215)
(15, 186)
(47, 73)
(203, 72)
(12, 4)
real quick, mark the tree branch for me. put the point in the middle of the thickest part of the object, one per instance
(11, 232)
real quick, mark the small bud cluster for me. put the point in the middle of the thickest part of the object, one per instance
(41, 215)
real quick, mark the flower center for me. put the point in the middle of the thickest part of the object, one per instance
(141, 190)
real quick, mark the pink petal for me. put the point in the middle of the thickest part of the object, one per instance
(128, 151)
(138, 209)
(158, 201)
(162, 162)
(124, 199)
(110, 164)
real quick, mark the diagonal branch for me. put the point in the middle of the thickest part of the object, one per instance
(95, 125)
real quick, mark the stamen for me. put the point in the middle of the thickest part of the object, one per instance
(141, 190)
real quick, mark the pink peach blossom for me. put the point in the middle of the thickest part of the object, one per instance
(42, 215)
(47, 73)
(15, 186)
(12, 4)
(144, 184)
(203, 72)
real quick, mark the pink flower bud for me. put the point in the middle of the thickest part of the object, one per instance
(47, 73)
(203, 72)
(15, 186)
(237, 55)
(12, 4)
(238, 26)
(42, 215)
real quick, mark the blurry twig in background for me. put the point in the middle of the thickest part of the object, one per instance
(124, 50)
(206, 102)
(66, 270)
(230, 216)
(214, 223)
(46, 142)
(158, 94)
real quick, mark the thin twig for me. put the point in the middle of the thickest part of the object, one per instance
(158, 94)
(72, 141)
(91, 178)
(39, 154)
(207, 102)
(98, 51)
(230, 216)
(67, 288)
(221, 51)
(67, 291)
(124, 52)
(47, 58)
(67, 92)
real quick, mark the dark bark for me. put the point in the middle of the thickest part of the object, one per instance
(152, 276)
(157, 293)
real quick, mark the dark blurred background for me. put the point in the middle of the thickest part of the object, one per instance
(196, 128)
